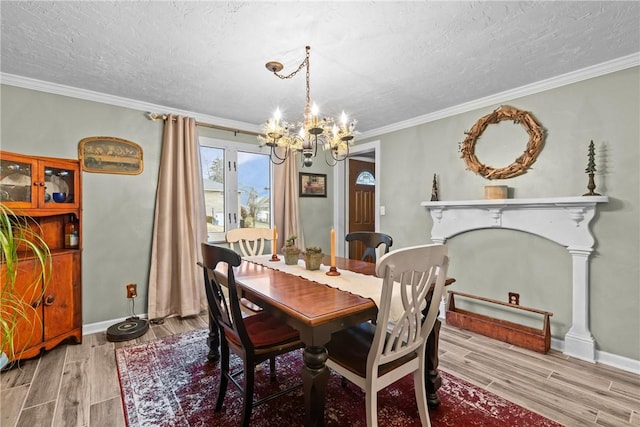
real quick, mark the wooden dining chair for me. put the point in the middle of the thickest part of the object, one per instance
(250, 241)
(369, 355)
(254, 339)
(371, 240)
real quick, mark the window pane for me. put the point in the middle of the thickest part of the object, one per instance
(212, 160)
(365, 178)
(254, 190)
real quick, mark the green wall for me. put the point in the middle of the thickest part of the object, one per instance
(118, 209)
(491, 263)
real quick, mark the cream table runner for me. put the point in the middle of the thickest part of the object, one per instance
(357, 283)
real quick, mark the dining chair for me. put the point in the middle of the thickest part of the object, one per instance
(250, 241)
(254, 339)
(371, 241)
(375, 355)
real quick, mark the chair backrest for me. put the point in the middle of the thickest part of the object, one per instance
(250, 241)
(371, 241)
(226, 312)
(417, 270)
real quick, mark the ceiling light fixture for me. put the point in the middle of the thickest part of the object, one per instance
(285, 139)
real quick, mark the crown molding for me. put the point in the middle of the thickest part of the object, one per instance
(618, 64)
(608, 67)
(89, 95)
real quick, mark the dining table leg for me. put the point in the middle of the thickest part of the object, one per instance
(432, 376)
(315, 377)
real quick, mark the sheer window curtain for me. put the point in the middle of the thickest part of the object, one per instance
(179, 228)
(286, 206)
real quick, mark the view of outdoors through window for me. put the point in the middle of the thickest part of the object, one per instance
(254, 190)
(247, 191)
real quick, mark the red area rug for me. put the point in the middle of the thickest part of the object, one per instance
(169, 382)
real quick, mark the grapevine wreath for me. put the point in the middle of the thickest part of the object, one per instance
(522, 163)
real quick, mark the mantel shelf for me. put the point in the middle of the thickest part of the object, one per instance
(564, 220)
(521, 203)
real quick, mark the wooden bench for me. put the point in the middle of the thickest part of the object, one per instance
(522, 336)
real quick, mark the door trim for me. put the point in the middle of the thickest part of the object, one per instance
(341, 192)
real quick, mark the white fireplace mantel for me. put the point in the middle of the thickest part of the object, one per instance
(564, 220)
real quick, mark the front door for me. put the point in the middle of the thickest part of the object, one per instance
(362, 190)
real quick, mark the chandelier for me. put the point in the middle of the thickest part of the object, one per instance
(285, 139)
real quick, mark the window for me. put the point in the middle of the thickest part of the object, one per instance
(236, 180)
(365, 178)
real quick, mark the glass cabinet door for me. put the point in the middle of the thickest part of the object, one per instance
(16, 178)
(59, 184)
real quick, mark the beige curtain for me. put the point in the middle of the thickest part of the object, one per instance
(287, 211)
(175, 282)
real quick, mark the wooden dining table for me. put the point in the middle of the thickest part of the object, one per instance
(316, 310)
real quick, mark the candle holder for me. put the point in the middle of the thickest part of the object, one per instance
(274, 257)
(333, 272)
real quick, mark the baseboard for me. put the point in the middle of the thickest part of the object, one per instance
(620, 362)
(609, 359)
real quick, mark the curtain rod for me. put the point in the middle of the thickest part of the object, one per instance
(155, 116)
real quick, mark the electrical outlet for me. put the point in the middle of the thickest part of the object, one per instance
(132, 290)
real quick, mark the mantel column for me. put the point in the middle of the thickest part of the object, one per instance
(579, 342)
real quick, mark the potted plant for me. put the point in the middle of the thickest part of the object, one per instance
(312, 257)
(290, 250)
(19, 238)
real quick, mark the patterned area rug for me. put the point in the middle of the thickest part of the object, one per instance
(169, 382)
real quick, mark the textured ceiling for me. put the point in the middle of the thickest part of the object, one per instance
(382, 62)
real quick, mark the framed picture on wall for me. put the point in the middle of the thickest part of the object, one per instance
(107, 154)
(312, 184)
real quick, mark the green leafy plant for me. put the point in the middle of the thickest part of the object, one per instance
(291, 241)
(290, 245)
(312, 250)
(312, 257)
(20, 238)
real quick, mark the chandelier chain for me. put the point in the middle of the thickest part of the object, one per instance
(293, 73)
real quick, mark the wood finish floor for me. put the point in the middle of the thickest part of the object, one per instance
(77, 385)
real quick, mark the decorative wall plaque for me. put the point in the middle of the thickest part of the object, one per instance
(107, 154)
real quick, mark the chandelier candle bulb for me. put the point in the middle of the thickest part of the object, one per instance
(314, 113)
(277, 116)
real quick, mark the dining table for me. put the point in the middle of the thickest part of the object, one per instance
(317, 305)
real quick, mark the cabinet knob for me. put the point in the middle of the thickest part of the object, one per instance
(36, 303)
(49, 300)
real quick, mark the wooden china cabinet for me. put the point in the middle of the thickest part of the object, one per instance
(27, 186)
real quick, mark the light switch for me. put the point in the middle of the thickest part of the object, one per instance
(382, 210)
